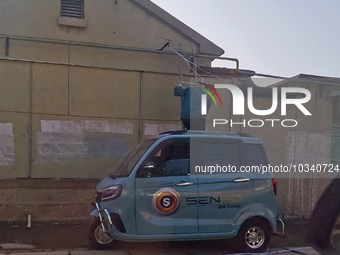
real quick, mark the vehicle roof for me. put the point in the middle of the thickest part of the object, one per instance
(245, 138)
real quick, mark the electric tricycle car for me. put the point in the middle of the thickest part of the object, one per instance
(189, 185)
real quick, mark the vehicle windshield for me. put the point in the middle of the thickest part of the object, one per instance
(128, 162)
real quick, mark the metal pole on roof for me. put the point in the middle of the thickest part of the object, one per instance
(180, 78)
(180, 64)
(193, 48)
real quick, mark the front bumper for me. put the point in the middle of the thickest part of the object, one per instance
(104, 218)
(111, 223)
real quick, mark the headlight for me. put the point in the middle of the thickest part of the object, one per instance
(111, 192)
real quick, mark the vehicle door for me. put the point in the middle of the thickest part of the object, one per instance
(162, 185)
(223, 191)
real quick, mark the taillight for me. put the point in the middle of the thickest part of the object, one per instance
(274, 185)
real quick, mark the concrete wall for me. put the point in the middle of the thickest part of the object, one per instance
(310, 142)
(307, 143)
(46, 200)
(66, 121)
(77, 122)
(60, 120)
(76, 95)
(75, 98)
(132, 26)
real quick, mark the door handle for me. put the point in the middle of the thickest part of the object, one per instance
(242, 180)
(184, 184)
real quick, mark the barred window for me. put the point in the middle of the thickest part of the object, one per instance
(72, 8)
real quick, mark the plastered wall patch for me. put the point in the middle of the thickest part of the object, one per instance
(305, 148)
(72, 141)
(7, 151)
(311, 148)
(155, 129)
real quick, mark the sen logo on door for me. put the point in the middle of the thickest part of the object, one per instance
(166, 201)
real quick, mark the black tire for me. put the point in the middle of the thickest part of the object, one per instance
(97, 238)
(254, 236)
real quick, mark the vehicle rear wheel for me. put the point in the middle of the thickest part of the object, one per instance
(254, 236)
(98, 238)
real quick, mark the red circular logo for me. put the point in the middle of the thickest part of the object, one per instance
(166, 201)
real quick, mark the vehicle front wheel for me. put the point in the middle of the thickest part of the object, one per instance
(253, 237)
(98, 238)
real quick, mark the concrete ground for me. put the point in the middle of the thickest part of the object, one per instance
(71, 239)
(296, 251)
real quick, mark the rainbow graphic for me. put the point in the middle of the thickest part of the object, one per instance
(212, 92)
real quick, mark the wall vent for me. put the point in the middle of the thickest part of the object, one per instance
(72, 8)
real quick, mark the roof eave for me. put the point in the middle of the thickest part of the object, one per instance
(205, 45)
(307, 78)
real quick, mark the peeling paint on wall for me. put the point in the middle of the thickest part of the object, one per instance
(7, 153)
(155, 129)
(65, 126)
(305, 148)
(73, 141)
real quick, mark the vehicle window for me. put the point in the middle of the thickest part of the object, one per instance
(173, 167)
(254, 155)
(127, 164)
(170, 158)
(219, 153)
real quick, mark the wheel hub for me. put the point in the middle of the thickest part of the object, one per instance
(101, 236)
(255, 237)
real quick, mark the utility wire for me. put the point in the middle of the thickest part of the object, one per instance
(187, 61)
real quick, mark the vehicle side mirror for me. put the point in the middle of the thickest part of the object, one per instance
(323, 220)
(146, 170)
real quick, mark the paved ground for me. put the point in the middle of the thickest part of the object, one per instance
(71, 239)
(292, 251)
